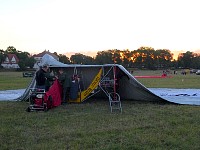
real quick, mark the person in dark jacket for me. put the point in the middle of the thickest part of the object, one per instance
(43, 77)
(75, 87)
(65, 82)
(49, 80)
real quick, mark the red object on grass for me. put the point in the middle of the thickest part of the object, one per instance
(153, 76)
(38, 102)
(55, 92)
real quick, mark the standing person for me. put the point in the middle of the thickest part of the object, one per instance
(43, 77)
(74, 88)
(65, 82)
(49, 80)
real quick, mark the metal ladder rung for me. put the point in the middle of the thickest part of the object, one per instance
(114, 100)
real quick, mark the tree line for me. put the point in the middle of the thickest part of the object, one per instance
(143, 57)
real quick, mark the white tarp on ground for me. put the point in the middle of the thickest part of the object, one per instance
(181, 96)
(10, 95)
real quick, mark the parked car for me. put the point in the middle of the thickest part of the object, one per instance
(198, 72)
(28, 74)
(193, 71)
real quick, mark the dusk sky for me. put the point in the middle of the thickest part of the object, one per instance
(95, 25)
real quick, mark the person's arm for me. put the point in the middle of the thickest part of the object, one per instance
(49, 76)
(61, 78)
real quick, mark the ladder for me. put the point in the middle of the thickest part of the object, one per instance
(108, 85)
(114, 100)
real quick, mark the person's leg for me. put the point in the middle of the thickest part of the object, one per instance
(67, 93)
(64, 95)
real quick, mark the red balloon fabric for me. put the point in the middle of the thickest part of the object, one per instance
(54, 92)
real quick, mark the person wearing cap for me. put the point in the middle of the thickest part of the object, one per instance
(43, 77)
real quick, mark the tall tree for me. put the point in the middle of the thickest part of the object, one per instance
(11, 50)
(145, 57)
(126, 58)
(63, 58)
(163, 58)
(81, 59)
(116, 56)
(104, 57)
(2, 55)
(185, 59)
(25, 60)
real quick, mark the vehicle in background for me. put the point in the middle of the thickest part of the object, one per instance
(28, 74)
(193, 71)
(198, 72)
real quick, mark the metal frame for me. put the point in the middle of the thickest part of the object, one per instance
(39, 94)
(110, 82)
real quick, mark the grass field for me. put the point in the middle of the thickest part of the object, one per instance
(13, 80)
(177, 81)
(90, 125)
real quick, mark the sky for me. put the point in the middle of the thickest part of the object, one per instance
(65, 26)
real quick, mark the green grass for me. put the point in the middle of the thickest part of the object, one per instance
(13, 80)
(177, 81)
(90, 125)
